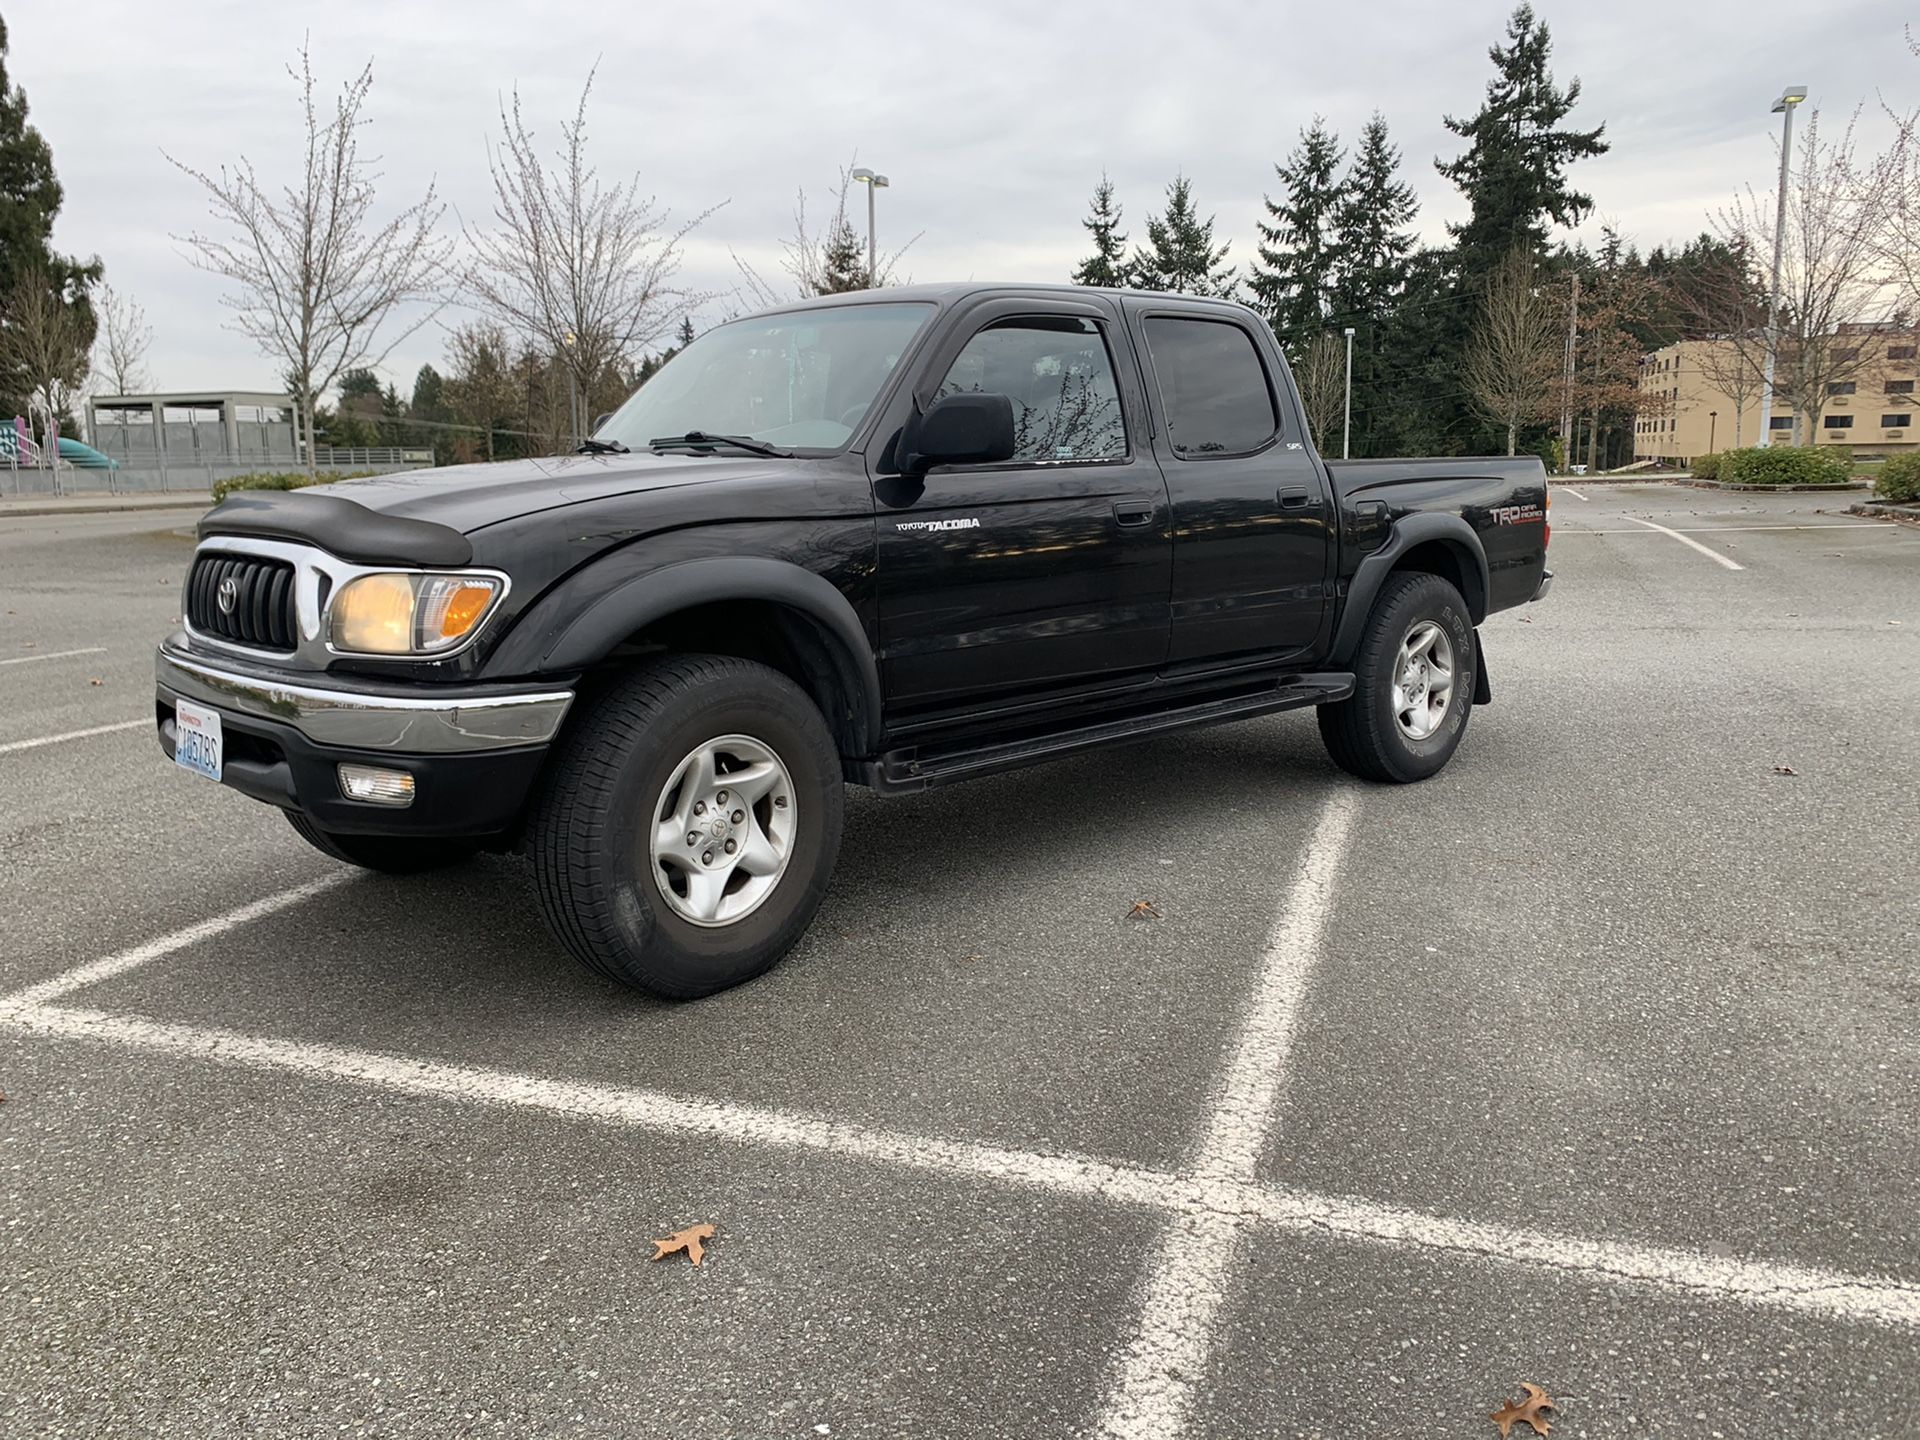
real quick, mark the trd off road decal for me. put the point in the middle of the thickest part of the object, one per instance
(1517, 514)
(967, 524)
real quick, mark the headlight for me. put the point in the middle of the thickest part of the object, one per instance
(409, 614)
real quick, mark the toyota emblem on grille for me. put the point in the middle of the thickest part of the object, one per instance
(228, 595)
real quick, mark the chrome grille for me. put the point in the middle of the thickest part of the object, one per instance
(261, 594)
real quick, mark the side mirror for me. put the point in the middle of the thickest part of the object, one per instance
(959, 430)
(600, 421)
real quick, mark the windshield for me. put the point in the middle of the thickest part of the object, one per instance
(802, 381)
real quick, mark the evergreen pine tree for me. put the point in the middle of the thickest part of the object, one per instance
(1107, 266)
(1372, 226)
(1180, 256)
(1514, 169)
(843, 259)
(686, 333)
(1292, 278)
(30, 197)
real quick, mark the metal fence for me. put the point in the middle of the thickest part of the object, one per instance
(158, 474)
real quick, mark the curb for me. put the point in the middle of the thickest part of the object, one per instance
(1881, 510)
(105, 507)
(1783, 489)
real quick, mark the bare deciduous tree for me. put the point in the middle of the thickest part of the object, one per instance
(581, 269)
(43, 346)
(317, 276)
(1513, 361)
(1320, 372)
(1833, 272)
(121, 345)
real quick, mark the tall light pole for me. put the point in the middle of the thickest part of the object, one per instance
(1346, 420)
(1713, 428)
(873, 182)
(1782, 107)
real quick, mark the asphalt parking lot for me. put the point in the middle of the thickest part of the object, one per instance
(1593, 1062)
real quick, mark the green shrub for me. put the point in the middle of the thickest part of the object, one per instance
(1706, 467)
(1787, 465)
(279, 480)
(1899, 480)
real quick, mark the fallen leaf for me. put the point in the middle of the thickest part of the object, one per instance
(1144, 910)
(1528, 1410)
(1785, 770)
(688, 1240)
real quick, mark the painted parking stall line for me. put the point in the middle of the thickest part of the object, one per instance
(55, 655)
(15, 746)
(1691, 544)
(1208, 1214)
(1152, 1390)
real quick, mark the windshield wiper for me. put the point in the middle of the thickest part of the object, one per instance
(600, 447)
(702, 440)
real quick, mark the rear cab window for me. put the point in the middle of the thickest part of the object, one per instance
(1214, 387)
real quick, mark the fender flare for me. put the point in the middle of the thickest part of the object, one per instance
(603, 607)
(1408, 532)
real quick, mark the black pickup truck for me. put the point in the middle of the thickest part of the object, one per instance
(897, 539)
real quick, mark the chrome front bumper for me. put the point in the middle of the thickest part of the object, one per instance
(466, 720)
(1546, 584)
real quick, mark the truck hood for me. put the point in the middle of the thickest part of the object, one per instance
(470, 497)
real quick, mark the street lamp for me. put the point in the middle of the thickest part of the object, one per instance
(873, 182)
(1713, 427)
(1346, 420)
(1783, 107)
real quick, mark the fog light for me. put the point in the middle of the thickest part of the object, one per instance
(376, 786)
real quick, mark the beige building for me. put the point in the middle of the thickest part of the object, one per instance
(1701, 399)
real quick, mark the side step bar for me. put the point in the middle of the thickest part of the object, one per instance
(904, 771)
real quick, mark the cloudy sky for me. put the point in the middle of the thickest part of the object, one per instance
(993, 120)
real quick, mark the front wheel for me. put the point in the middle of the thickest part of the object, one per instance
(688, 825)
(1413, 684)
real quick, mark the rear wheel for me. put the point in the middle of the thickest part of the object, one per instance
(1413, 684)
(389, 854)
(688, 825)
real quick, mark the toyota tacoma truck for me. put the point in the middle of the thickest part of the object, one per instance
(895, 539)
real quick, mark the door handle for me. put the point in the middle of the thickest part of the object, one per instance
(1133, 512)
(1294, 499)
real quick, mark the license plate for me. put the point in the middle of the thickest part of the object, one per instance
(197, 744)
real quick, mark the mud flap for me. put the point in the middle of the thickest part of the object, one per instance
(1482, 687)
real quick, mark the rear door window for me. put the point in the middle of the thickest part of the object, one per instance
(1213, 386)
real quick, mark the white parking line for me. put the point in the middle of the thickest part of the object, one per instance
(1569, 490)
(55, 655)
(1152, 1391)
(96, 971)
(11, 746)
(1202, 1208)
(1727, 529)
(1713, 555)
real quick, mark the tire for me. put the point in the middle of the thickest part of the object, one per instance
(1368, 734)
(618, 889)
(389, 854)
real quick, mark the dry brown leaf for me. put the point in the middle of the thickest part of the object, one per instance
(1528, 1410)
(1785, 770)
(688, 1240)
(1144, 910)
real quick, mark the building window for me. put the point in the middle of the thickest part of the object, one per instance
(1900, 352)
(1843, 387)
(1780, 422)
(1839, 422)
(1899, 387)
(1897, 422)
(1853, 353)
